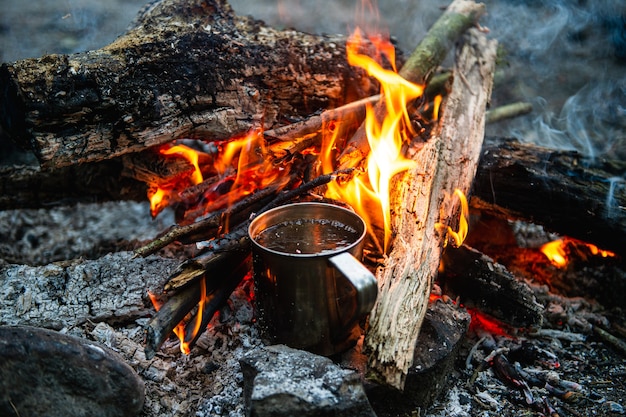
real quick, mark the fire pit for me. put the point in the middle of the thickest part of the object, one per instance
(544, 337)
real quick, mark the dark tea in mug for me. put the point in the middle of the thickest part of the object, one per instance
(306, 236)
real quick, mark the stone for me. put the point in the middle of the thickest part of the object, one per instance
(281, 381)
(47, 373)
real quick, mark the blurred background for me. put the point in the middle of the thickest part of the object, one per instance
(566, 57)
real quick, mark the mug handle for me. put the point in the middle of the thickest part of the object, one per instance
(363, 281)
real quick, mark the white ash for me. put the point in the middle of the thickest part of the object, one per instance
(42, 236)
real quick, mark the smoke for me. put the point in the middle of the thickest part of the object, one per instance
(568, 58)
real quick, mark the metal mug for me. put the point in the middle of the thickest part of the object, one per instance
(314, 299)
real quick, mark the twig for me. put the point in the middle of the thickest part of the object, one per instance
(508, 111)
(213, 221)
(306, 187)
(315, 123)
(608, 338)
(420, 67)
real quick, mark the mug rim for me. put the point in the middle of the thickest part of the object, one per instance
(326, 253)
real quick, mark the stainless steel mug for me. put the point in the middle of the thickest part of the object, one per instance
(311, 288)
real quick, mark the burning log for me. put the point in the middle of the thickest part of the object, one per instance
(423, 200)
(212, 293)
(564, 191)
(187, 69)
(421, 66)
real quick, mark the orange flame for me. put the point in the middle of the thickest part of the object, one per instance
(159, 199)
(180, 329)
(242, 162)
(597, 251)
(247, 159)
(161, 195)
(557, 251)
(459, 236)
(437, 105)
(386, 137)
(190, 155)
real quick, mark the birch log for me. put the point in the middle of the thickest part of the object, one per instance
(424, 198)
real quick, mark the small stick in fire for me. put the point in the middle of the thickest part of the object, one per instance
(237, 240)
(215, 261)
(210, 222)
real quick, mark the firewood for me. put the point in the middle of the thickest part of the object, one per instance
(421, 66)
(564, 191)
(508, 111)
(211, 222)
(482, 283)
(31, 187)
(161, 325)
(422, 199)
(190, 68)
(219, 283)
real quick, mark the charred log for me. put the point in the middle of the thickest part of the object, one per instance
(188, 69)
(564, 191)
(482, 283)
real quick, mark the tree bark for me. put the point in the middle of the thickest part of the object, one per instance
(564, 191)
(188, 69)
(424, 199)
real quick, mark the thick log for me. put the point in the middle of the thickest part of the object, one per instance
(31, 187)
(564, 191)
(188, 69)
(482, 283)
(424, 199)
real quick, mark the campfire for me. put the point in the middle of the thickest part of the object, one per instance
(214, 137)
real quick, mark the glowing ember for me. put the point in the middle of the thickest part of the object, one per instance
(558, 251)
(385, 137)
(483, 323)
(555, 252)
